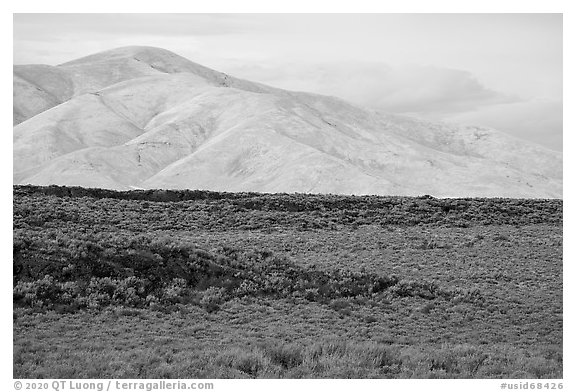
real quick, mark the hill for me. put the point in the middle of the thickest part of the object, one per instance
(141, 117)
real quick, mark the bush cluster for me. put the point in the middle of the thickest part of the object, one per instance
(139, 270)
(70, 296)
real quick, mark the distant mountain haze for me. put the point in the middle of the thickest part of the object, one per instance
(143, 117)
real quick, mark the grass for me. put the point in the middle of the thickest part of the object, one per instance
(478, 295)
(255, 340)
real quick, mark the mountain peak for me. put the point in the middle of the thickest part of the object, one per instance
(126, 52)
(129, 62)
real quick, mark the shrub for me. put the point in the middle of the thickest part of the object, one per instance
(370, 319)
(339, 304)
(175, 291)
(37, 293)
(212, 298)
(251, 362)
(285, 355)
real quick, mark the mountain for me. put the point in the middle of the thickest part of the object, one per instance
(142, 117)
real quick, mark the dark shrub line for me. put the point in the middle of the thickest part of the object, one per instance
(256, 211)
(142, 271)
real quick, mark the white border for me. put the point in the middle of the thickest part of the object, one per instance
(300, 6)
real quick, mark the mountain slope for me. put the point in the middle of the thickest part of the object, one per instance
(144, 117)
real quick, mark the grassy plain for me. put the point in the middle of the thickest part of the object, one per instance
(207, 285)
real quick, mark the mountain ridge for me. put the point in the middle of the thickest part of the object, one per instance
(142, 117)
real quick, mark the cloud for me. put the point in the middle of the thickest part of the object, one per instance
(411, 89)
(539, 121)
(428, 92)
(57, 38)
(44, 26)
(71, 47)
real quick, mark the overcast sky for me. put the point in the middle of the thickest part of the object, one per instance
(498, 70)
